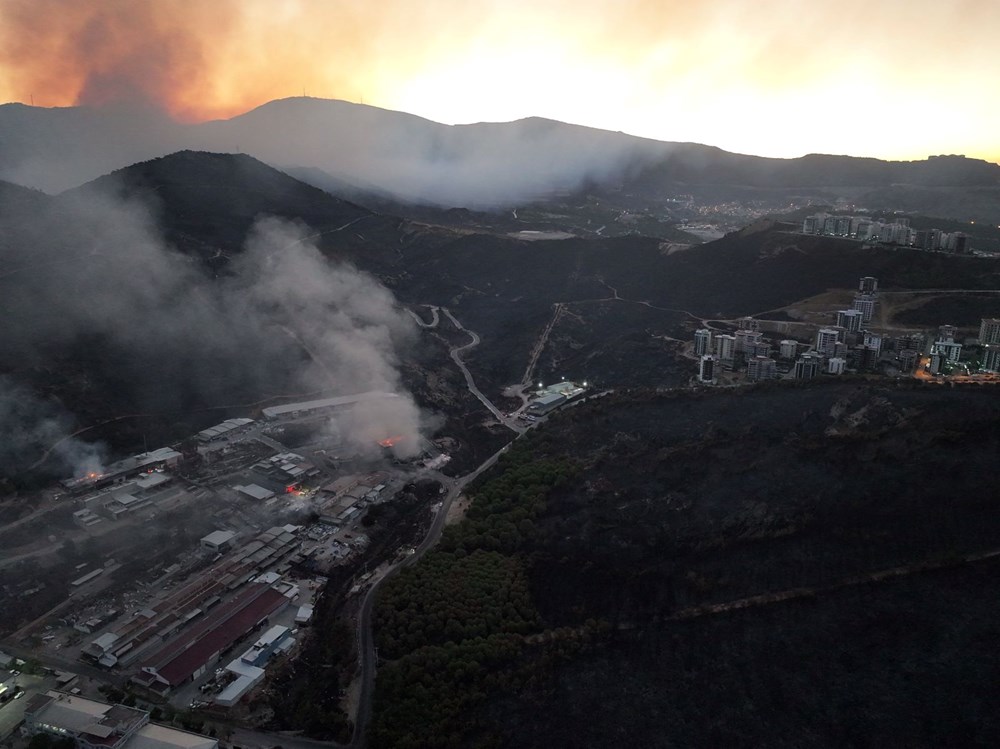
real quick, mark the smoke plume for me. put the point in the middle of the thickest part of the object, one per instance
(745, 76)
(37, 430)
(102, 297)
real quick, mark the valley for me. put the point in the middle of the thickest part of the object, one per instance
(362, 398)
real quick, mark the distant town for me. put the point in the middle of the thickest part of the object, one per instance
(742, 353)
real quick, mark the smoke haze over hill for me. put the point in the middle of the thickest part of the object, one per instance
(102, 288)
(417, 160)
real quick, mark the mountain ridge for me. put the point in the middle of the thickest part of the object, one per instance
(469, 165)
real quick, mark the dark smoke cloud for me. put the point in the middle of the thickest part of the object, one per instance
(479, 166)
(33, 426)
(103, 286)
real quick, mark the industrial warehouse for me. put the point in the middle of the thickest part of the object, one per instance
(548, 399)
(164, 457)
(151, 627)
(98, 725)
(324, 405)
(236, 533)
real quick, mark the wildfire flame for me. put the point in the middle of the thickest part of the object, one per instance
(390, 441)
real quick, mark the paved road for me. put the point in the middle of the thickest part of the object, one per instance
(366, 637)
(64, 664)
(456, 355)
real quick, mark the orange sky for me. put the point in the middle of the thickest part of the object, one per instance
(886, 78)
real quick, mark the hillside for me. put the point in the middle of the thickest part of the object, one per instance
(478, 165)
(207, 202)
(160, 239)
(781, 566)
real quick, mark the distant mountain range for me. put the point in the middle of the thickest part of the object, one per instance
(382, 152)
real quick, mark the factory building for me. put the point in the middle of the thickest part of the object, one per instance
(285, 471)
(98, 725)
(164, 457)
(546, 404)
(248, 669)
(323, 405)
(150, 627)
(218, 541)
(189, 656)
(123, 504)
(254, 491)
(228, 428)
(552, 397)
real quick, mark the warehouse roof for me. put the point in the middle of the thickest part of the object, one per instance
(342, 400)
(217, 538)
(153, 736)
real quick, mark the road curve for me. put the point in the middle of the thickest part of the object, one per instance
(366, 637)
(456, 355)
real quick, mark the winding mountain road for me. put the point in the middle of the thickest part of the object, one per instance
(368, 662)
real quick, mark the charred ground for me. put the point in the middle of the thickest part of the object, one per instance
(775, 567)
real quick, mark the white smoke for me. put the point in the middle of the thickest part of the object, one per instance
(286, 320)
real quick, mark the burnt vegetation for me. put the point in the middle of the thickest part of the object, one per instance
(777, 566)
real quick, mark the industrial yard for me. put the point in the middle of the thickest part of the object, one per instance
(181, 574)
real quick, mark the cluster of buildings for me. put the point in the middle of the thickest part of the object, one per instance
(120, 499)
(946, 352)
(849, 345)
(122, 470)
(98, 725)
(322, 405)
(898, 232)
(178, 636)
(225, 430)
(283, 473)
(548, 399)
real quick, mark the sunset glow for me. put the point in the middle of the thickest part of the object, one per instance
(892, 79)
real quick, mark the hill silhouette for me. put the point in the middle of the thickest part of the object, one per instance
(478, 165)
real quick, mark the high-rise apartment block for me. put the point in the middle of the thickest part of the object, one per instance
(761, 368)
(865, 303)
(706, 369)
(989, 331)
(725, 347)
(991, 358)
(826, 341)
(702, 342)
(948, 349)
(850, 319)
(836, 365)
(787, 349)
(807, 367)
